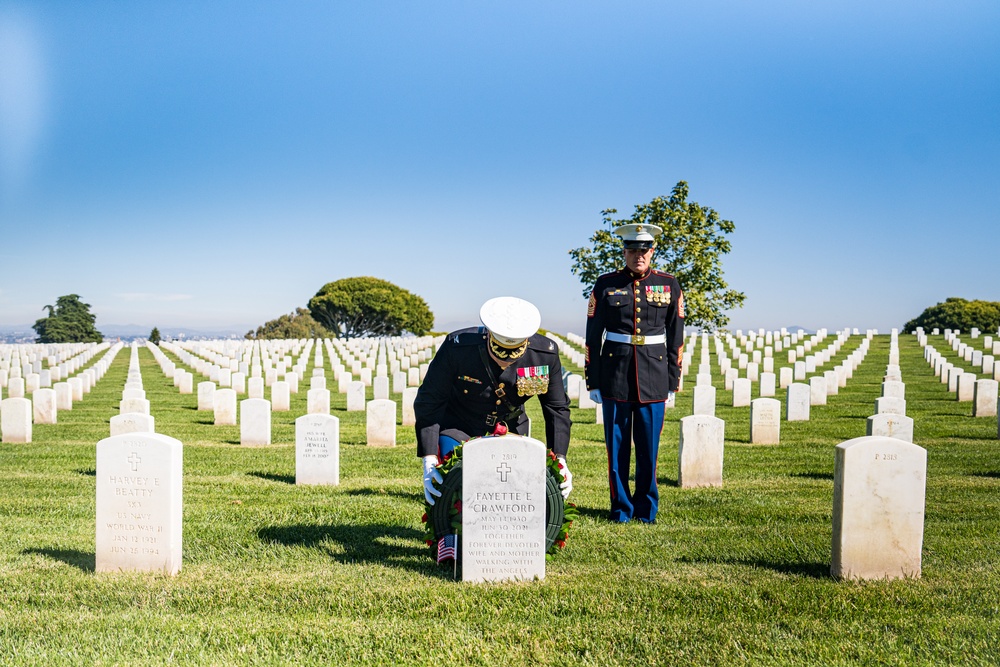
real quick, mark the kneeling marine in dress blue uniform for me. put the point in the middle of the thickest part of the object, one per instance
(479, 380)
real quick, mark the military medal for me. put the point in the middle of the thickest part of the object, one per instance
(658, 295)
(532, 380)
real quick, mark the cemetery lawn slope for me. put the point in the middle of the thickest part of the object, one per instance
(275, 573)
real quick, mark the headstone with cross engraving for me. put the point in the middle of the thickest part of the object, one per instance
(139, 506)
(503, 509)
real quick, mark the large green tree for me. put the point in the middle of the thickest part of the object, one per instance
(69, 321)
(354, 307)
(957, 313)
(690, 247)
(299, 324)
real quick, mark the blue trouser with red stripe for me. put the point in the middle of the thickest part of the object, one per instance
(624, 421)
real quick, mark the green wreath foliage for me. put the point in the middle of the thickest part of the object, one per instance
(445, 516)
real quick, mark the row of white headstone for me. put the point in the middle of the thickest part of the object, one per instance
(18, 413)
(983, 393)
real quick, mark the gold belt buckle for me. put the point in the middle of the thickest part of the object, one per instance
(638, 340)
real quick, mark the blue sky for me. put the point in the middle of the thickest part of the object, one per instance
(214, 164)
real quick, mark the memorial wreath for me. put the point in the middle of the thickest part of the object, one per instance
(444, 517)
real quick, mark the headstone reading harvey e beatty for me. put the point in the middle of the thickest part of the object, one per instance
(878, 508)
(139, 507)
(503, 509)
(317, 449)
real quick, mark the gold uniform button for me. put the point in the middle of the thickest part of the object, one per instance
(638, 309)
(637, 283)
(638, 330)
(638, 320)
(466, 391)
(498, 402)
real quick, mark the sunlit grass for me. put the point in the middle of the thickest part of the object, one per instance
(279, 574)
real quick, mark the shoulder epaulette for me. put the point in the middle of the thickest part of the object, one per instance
(661, 273)
(470, 336)
(540, 343)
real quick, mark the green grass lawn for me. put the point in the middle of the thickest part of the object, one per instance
(279, 574)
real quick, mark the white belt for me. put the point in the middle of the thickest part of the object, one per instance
(635, 340)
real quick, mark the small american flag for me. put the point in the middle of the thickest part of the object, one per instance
(447, 547)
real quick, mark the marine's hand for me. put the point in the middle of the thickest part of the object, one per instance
(567, 485)
(431, 475)
(595, 396)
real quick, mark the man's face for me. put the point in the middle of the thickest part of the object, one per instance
(637, 260)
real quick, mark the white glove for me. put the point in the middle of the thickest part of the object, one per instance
(567, 484)
(595, 396)
(431, 475)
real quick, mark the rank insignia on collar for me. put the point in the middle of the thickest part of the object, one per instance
(532, 380)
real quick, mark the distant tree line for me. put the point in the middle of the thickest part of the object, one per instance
(297, 324)
(69, 321)
(957, 313)
(352, 308)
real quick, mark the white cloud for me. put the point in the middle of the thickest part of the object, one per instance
(150, 296)
(23, 98)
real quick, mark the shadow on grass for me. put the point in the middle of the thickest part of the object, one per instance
(814, 475)
(813, 570)
(665, 481)
(404, 495)
(271, 477)
(993, 474)
(359, 544)
(597, 513)
(85, 560)
(89, 472)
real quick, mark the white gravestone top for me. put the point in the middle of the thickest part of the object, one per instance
(317, 449)
(878, 508)
(503, 509)
(139, 505)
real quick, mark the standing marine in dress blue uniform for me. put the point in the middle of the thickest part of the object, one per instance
(480, 379)
(635, 339)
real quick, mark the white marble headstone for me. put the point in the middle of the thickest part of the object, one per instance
(255, 422)
(139, 503)
(44, 406)
(890, 426)
(878, 508)
(206, 395)
(704, 400)
(765, 421)
(317, 449)
(356, 396)
(15, 420)
(132, 422)
(984, 402)
(503, 509)
(318, 402)
(797, 407)
(281, 396)
(380, 423)
(702, 441)
(224, 407)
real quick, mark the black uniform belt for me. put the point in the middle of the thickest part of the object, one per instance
(491, 420)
